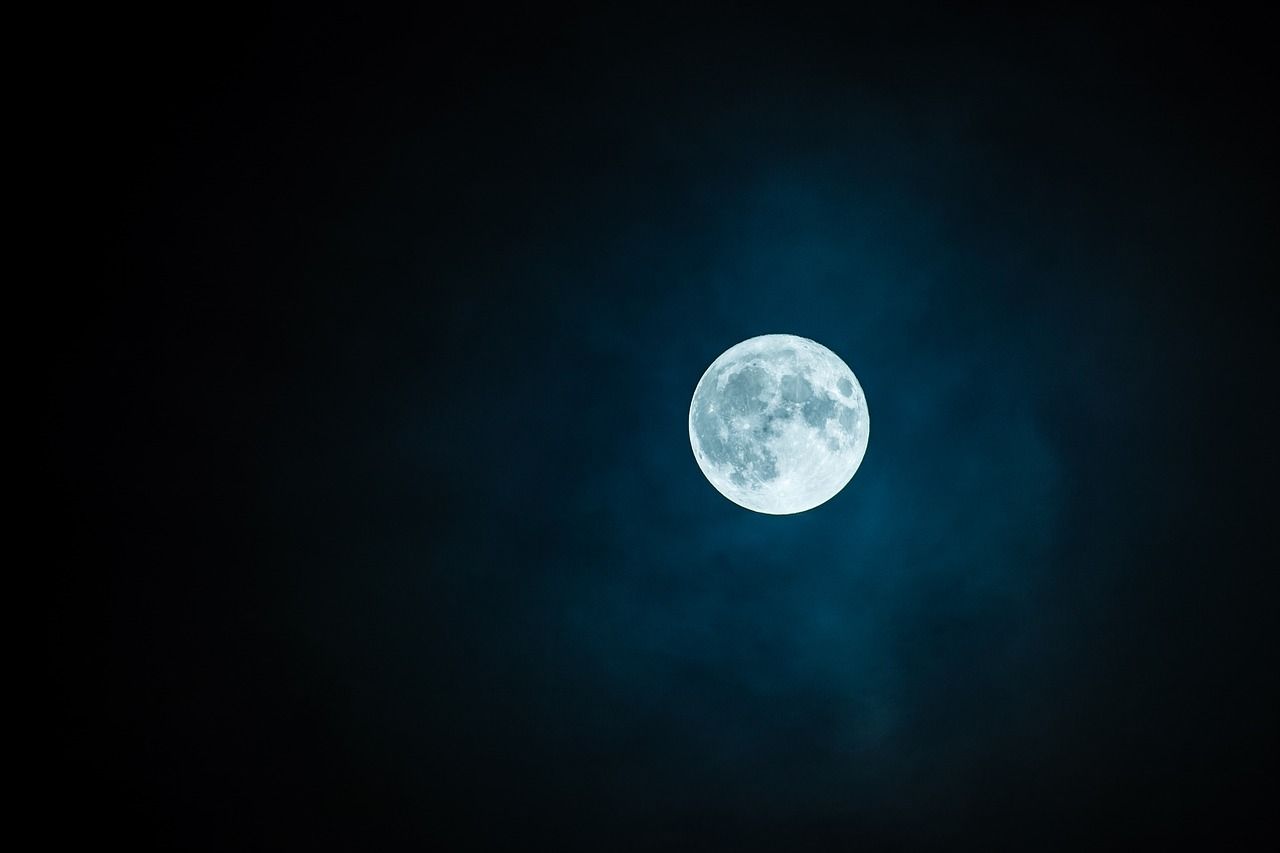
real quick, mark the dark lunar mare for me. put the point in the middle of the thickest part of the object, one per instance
(742, 397)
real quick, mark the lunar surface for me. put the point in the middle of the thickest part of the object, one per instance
(778, 424)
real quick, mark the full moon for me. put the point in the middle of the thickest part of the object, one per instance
(779, 424)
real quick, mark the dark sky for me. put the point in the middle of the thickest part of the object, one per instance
(372, 447)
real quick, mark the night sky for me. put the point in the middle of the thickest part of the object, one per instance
(381, 524)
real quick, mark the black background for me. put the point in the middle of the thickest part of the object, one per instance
(369, 433)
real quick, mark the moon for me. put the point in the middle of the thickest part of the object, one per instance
(779, 424)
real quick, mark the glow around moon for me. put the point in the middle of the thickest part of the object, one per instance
(779, 424)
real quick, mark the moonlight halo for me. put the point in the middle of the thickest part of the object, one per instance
(778, 424)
